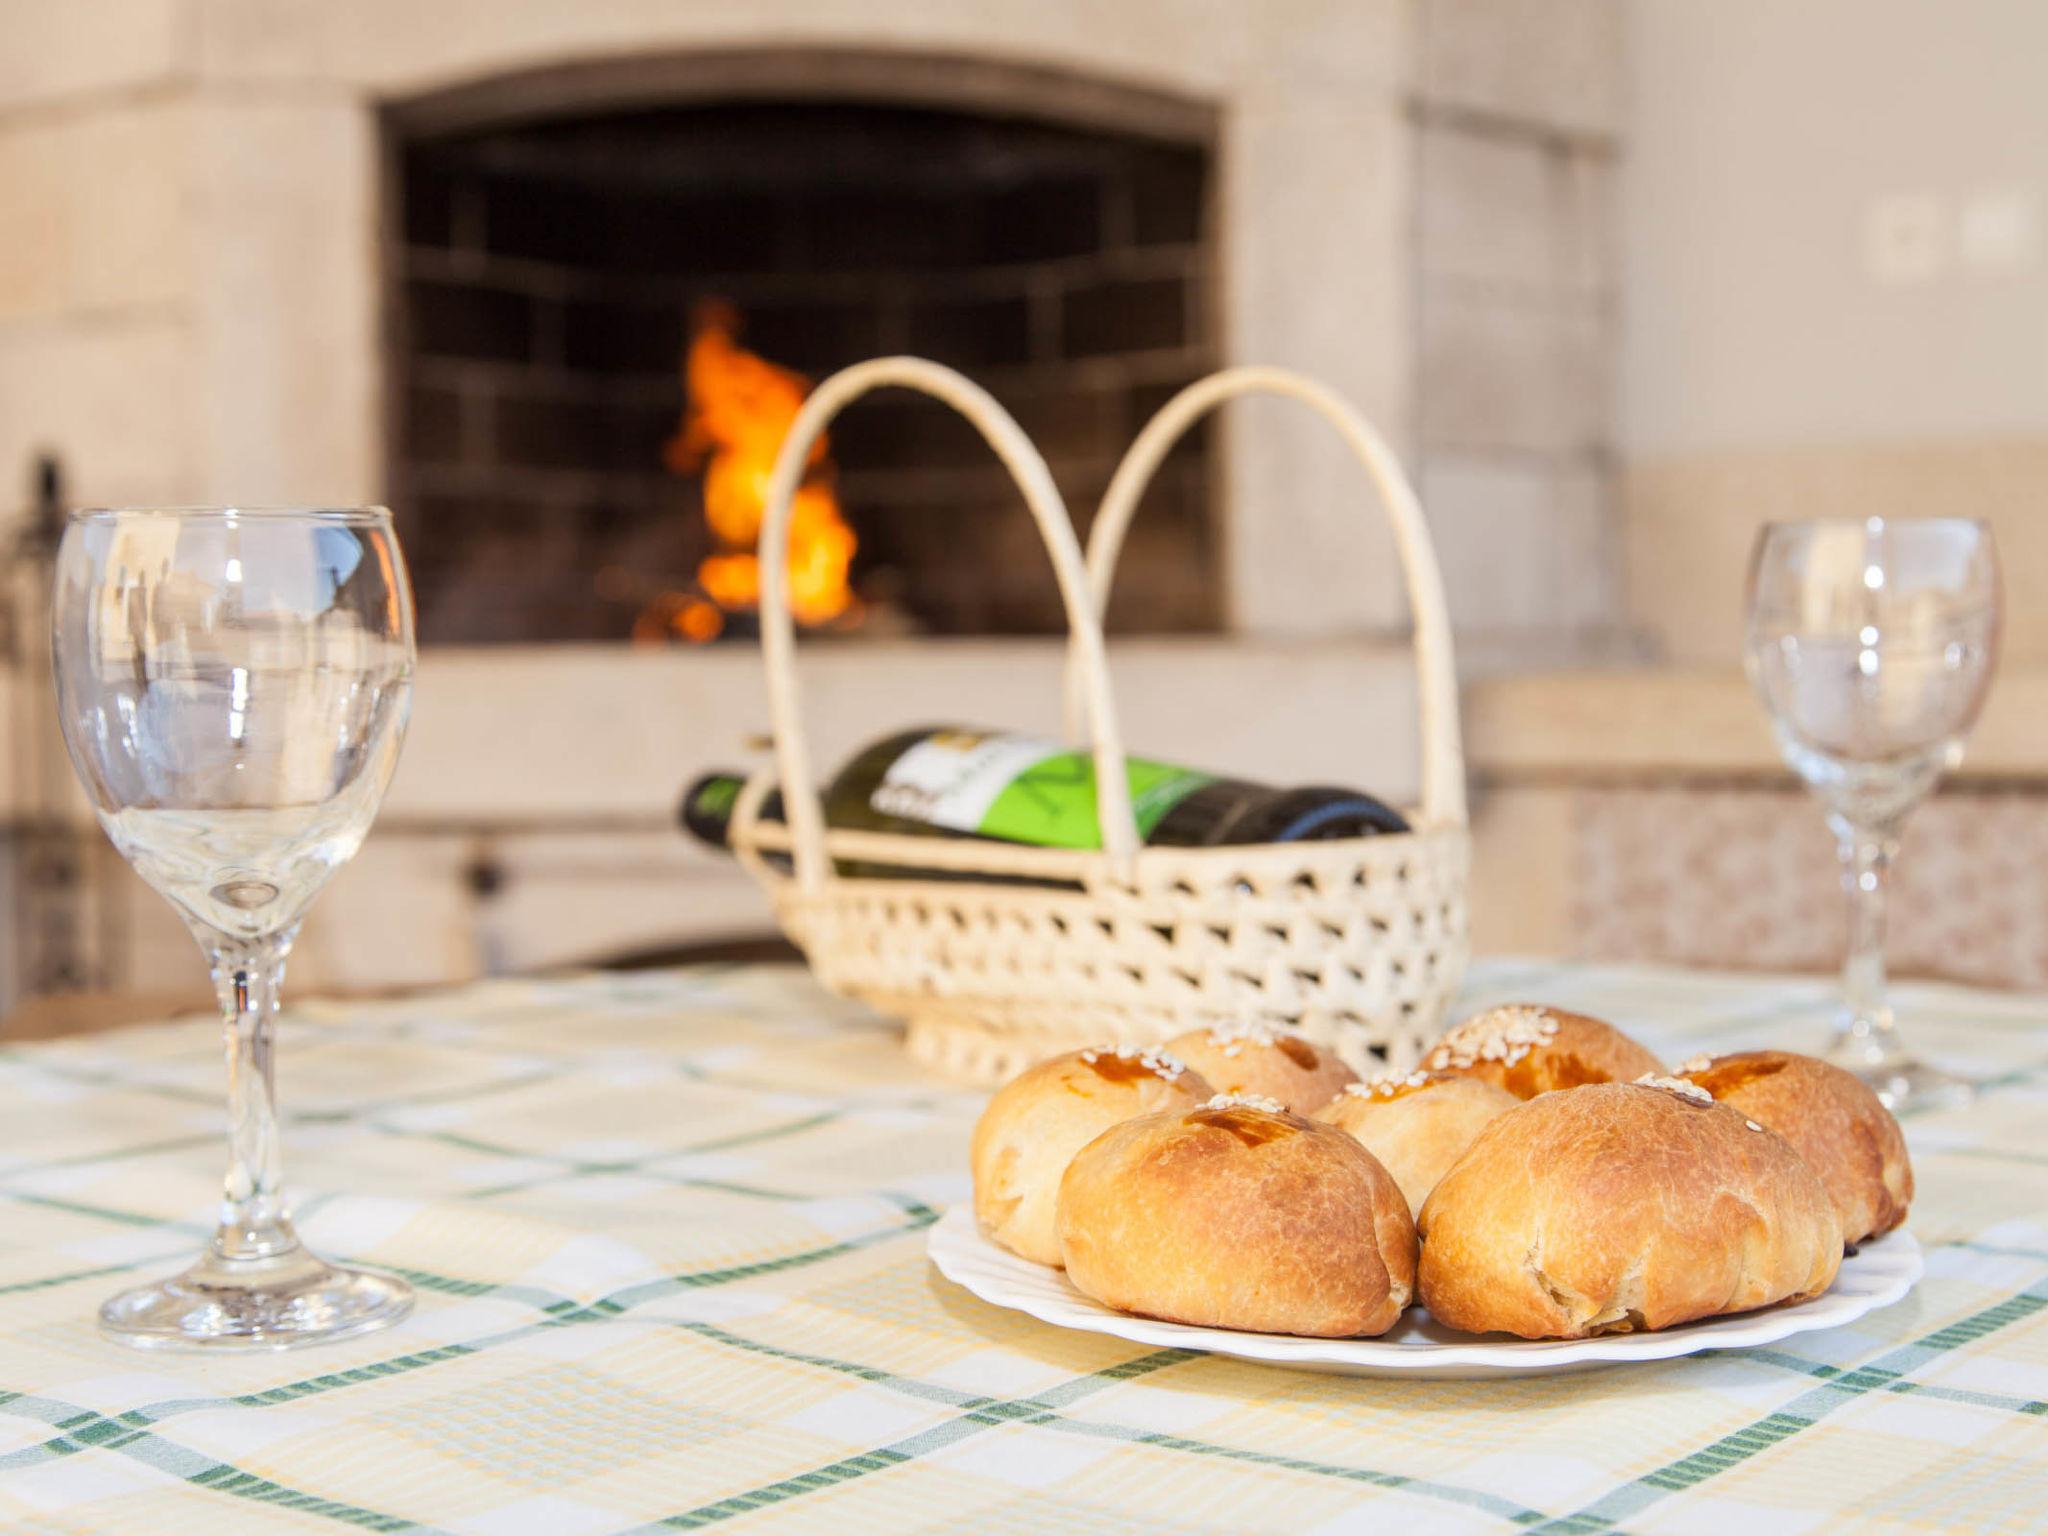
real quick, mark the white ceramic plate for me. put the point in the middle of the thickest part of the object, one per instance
(1879, 1274)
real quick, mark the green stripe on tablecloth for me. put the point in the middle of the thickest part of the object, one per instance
(1505, 1509)
(1996, 1250)
(26, 1059)
(574, 1168)
(385, 1103)
(1783, 1360)
(86, 1431)
(920, 1217)
(354, 1376)
(123, 1154)
(1802, 1413)
(222, 1478)
(107, 1213)
(637, 1167)
(15, 1288)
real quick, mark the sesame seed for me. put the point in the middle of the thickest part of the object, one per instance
(1159, 1063)
(1752, 1125)
(1700, 1063)
(1231, 1039)
(1387, 1084)
(1692, 1092)
(1504, 1035)
(1257, 1101)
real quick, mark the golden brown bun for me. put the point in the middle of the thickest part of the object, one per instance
(1238, 1215)
(1622, 1206)
(1832, 1119)
(1528, 1049)
(1267, 1062)
(1037, 1121)
(1417, 1126)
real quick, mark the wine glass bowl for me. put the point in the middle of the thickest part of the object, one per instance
(1872, 643)
(234, 686)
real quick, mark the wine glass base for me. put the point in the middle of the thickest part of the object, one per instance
(1902, 1082)
(284, 1302)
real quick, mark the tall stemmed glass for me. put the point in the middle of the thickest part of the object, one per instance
(1872, 642)
(234, 686)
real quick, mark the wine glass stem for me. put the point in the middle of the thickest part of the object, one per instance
(1866, 1027)
(248, 973)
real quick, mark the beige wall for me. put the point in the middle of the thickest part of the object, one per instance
(1763, 136)
(1780, 358)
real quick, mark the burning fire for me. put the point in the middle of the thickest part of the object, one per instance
(740, 409)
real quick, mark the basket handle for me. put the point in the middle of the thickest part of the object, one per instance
(1443, 760)
(778, 640)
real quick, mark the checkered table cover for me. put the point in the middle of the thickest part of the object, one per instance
(668, 1235)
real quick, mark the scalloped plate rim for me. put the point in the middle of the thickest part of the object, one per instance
(1881, 1273)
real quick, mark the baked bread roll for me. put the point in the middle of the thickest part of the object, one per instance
(1529, 1050)
(1833, 1120)
(1417, 1124)
(1268, 1063)
(1239, 1214)
(1037, 1121)
(1619, 1207)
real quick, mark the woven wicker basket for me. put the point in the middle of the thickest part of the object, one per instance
(1358, 944)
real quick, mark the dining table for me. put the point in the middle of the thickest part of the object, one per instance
(667, 1231)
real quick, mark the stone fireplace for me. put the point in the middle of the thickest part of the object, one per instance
(446, 257)
(545, 270)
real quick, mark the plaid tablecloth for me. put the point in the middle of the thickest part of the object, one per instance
(668, 1234)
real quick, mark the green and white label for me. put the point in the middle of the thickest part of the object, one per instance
(1022, 789)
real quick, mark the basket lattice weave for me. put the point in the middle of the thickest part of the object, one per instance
(1358, 943)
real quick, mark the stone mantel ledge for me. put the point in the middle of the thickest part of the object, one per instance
(601, 738)
(1660, 723)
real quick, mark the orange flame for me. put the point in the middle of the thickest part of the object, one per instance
(739, 411)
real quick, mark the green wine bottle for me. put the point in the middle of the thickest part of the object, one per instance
(950, 781)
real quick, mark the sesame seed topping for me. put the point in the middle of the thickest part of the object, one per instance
(1231, 1039)
(1699, 1063)
(1257, 1101)
(1159, 1063)
(1504, 1035)
(1692, 1092)
(1387, 1085)
(1752, 1125)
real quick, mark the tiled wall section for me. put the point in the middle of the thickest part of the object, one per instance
(1746, 878)
(1518, 133)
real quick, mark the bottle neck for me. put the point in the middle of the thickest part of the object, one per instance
(707, 808)
(706, 811)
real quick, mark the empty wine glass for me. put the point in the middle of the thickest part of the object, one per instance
(234, 685)
(1872, 642)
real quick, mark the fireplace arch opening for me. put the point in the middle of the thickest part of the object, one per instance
(593, 279)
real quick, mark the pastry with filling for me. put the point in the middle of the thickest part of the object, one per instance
(1037, 1121)
(1618, 1207)
(1832, 1118)
(1418, 1123)
(1241, 1214)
